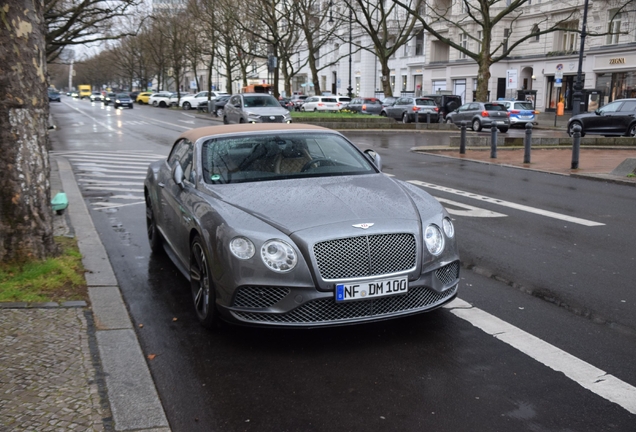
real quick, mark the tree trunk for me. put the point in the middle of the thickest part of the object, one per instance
(26, 216)
(483, 78)
(386, 77)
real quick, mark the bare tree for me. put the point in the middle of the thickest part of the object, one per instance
(480, 21)
(26, 227)
(387, 26)
(71, 23)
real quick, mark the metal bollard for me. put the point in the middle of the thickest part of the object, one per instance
(493, 142)
(462, 138)
(576, 145)
(527, 143)
(417, 117)
(428, 117)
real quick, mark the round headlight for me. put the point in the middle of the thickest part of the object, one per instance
(434, 239)
(449, 229)
(242, 248)
(278, 256)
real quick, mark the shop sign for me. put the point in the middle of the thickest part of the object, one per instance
(617, 60)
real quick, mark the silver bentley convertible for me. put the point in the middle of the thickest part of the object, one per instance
(294, 226)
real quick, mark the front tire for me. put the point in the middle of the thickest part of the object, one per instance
(162, 104)
(405, 118)
(203, 294)
(631, 132)
(155, 103)
(219, 112)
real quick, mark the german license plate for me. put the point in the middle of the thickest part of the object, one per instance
(371, 289)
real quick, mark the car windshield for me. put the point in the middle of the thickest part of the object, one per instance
(122, 96)
(425, 102)
(494, 107)
(260, 101)
(275, 156)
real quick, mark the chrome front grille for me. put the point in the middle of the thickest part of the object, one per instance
(325, 311)
(449, 273)
(259, 297)
(272, 119)
(365, 255)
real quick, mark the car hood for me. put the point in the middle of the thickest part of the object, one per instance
(267, 111)
(294, 205)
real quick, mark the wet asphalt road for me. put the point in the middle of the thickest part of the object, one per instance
(429, 372)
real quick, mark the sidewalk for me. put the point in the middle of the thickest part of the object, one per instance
(72, 366)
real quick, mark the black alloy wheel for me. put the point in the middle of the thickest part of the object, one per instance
(154, 236)
(203, 294)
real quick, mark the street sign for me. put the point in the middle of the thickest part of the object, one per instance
(558, 82)
(511, 79)
(558, 75)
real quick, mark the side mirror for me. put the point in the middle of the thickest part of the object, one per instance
(374, 157)
(177, 174)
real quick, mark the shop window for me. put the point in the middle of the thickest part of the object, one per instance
(613, 27)
(505, 39)
(404, 80)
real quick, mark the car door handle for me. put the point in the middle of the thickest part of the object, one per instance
(161, 185)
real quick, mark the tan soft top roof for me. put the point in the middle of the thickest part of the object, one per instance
(195, 134)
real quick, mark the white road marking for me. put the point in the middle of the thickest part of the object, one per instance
(468, 210)
(508, 204)
(590, 377)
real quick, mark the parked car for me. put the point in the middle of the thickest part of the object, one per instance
(96, 96)
(365, 105)
(406, 108)
(161, 99)
(192, 101)
(343, 101)
(286, 103)
(133, 95)
(142, 98)
(219, 105)
(521, 112)
(445, 103)
(254, 108)
(75, 94)
(253, 218)
(122, 99)
(54, 96)
(298, 100)
(615, 118)
(478, 115)
(388, 101)
(109, 98)
(320, 103)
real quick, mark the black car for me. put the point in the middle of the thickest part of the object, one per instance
(122, 99)
(219, 104)
(445, 103)
(287, 103)
(615, 118)
(109, 98)
(54, 96)
(133, 95)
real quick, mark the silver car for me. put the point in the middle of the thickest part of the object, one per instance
(478, 115)
(293, 226)
(254, 108)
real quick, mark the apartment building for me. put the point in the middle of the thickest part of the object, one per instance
(542, 68)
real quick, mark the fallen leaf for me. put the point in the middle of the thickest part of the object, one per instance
(141, 325)
(152, 356)
(174, 319)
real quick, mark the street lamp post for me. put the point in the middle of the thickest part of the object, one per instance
(577, 96)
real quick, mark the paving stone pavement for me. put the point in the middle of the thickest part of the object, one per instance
(49, 371)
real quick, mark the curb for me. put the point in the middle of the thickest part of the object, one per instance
(133, 398)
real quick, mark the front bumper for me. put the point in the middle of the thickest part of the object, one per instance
(298, 307)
